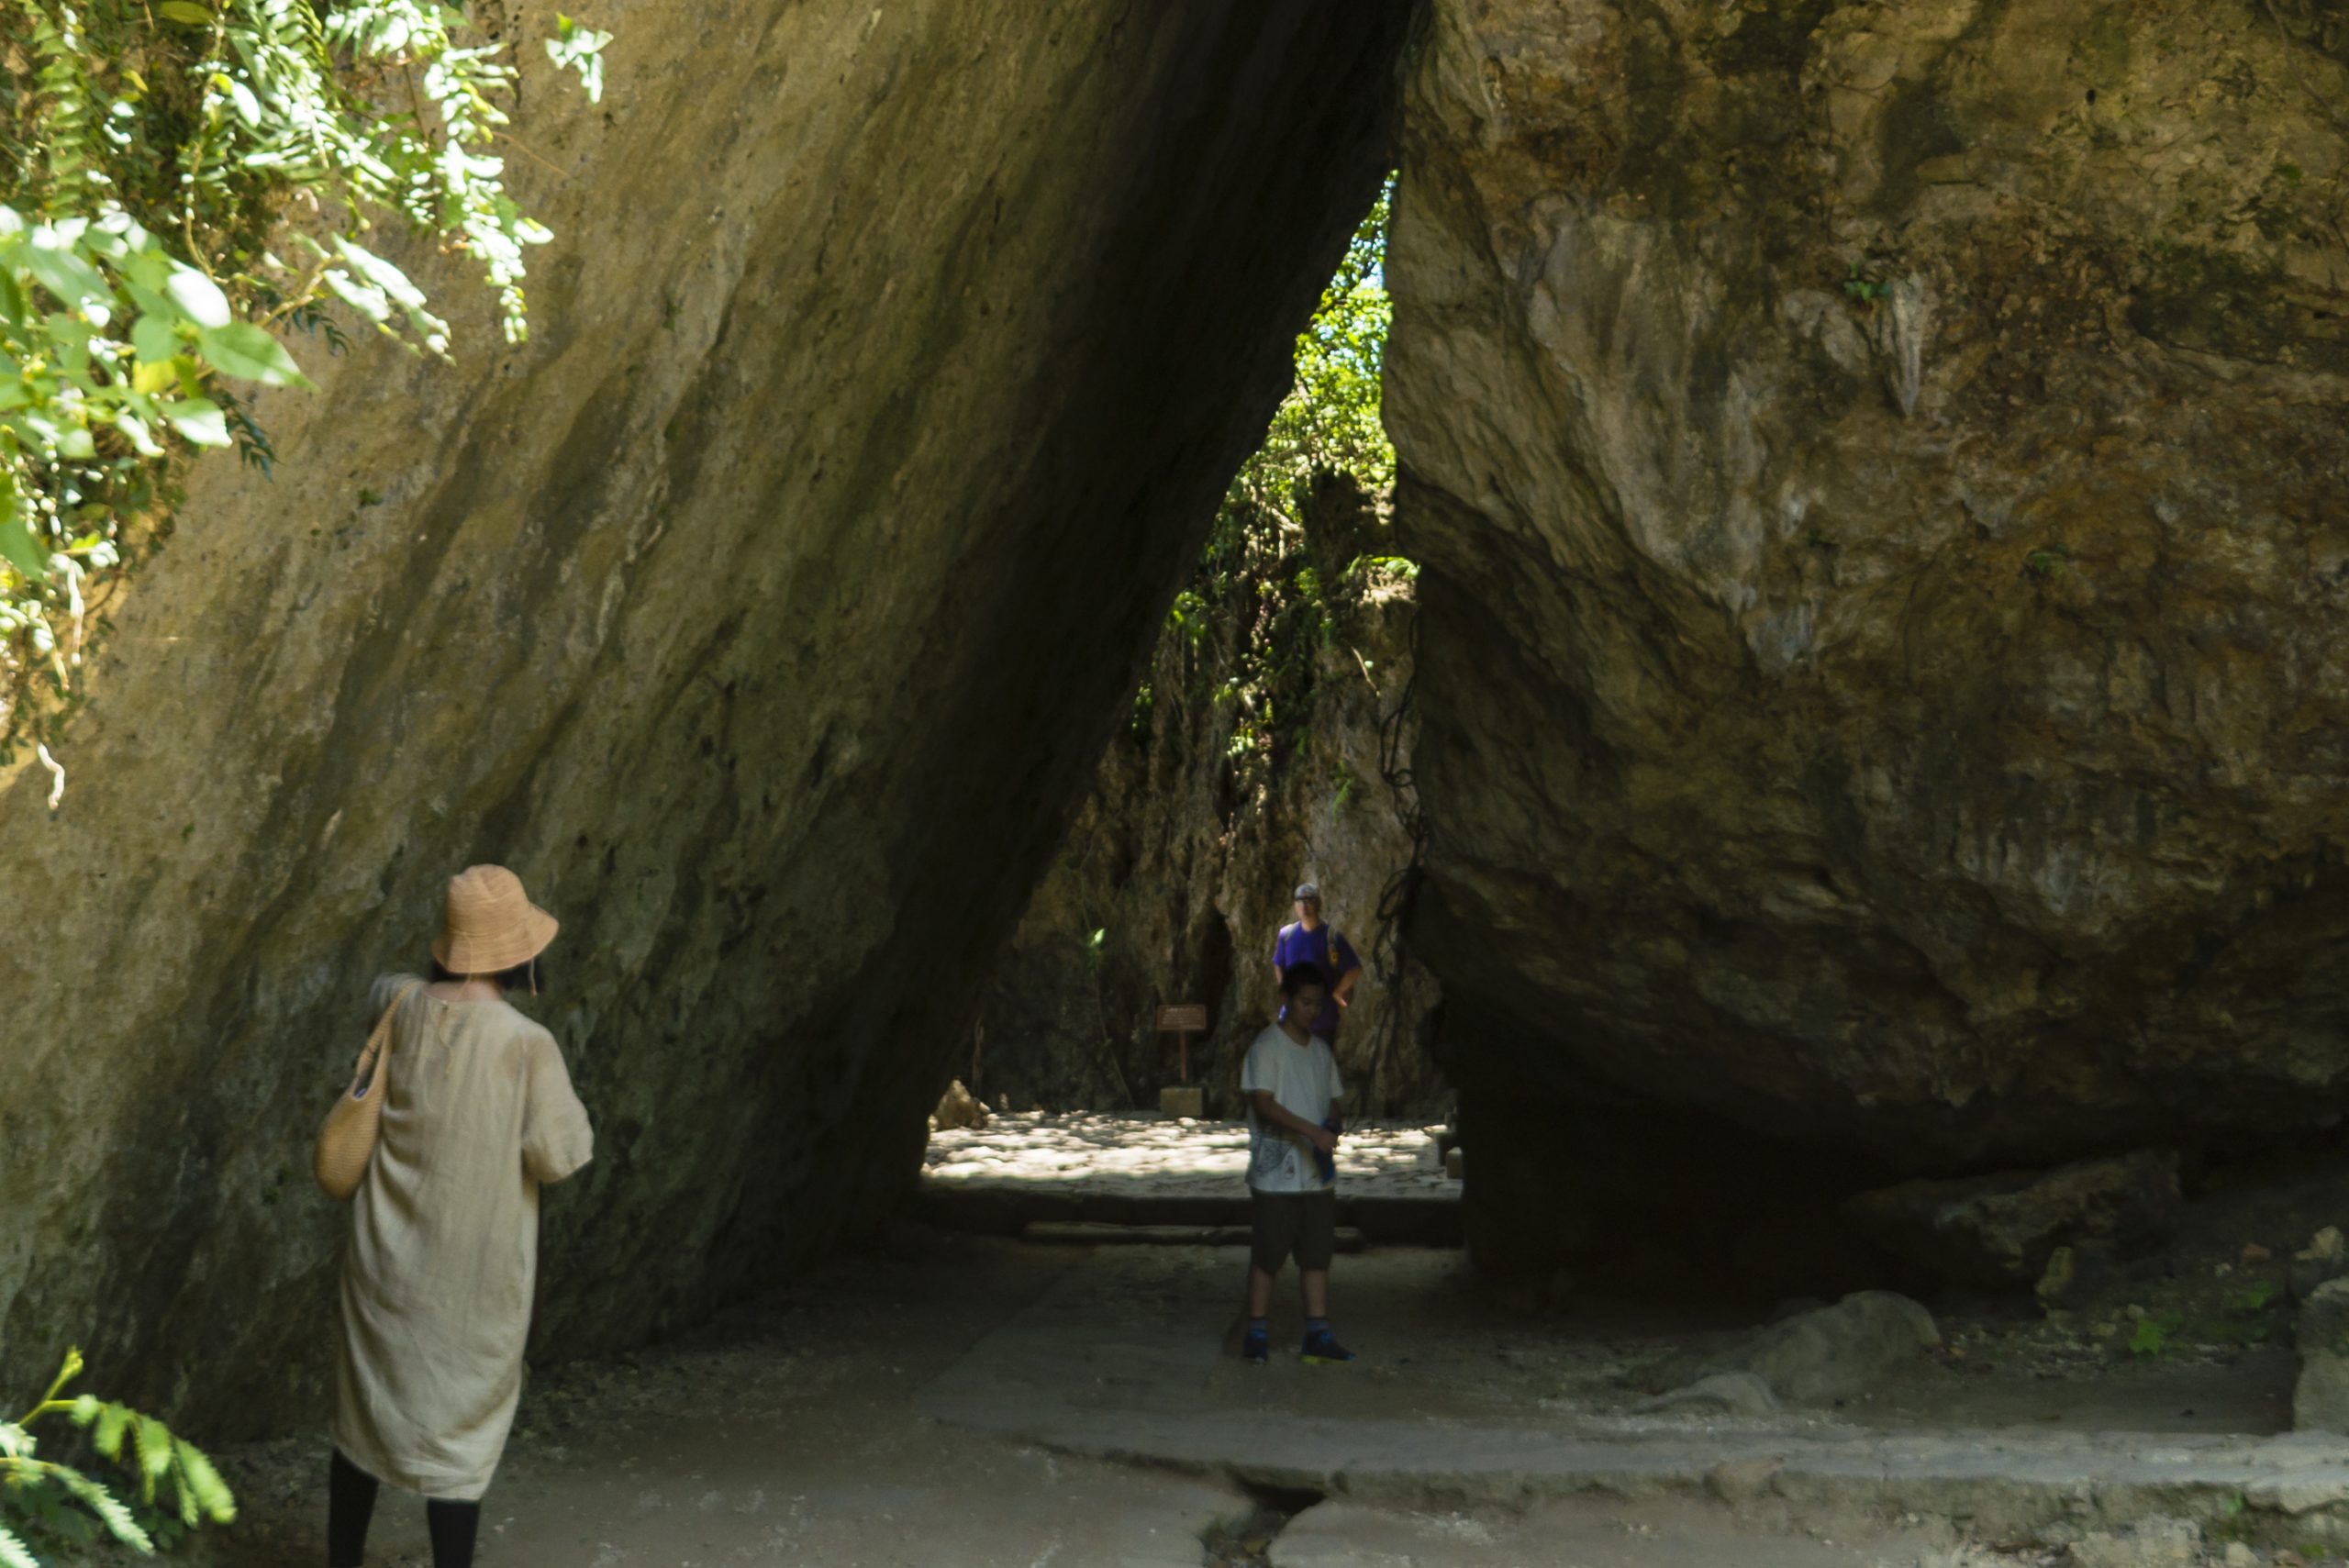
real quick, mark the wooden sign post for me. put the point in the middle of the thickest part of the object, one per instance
(1182, 1020)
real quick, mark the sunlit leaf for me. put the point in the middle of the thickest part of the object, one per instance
(199, 422)
(20, 549)
(245, 351)
(198, 298)
(153, 340)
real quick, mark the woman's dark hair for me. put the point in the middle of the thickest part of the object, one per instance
(517, 978)
(1299, 975)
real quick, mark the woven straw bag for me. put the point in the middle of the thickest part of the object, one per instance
(347, 1141)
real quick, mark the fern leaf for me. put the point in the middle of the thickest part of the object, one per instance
(154, 1451)
(199, 1478)
(112, 1420)
(15, 1553)
(64, 83)
(107, 1506)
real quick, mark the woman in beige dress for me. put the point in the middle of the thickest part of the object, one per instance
(478, 1114)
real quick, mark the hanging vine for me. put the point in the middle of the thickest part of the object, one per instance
(180, 183)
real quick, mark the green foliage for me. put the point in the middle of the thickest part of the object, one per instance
(1258, 611)
(1865, 289)
(157, 164)
(49, 1507)
(2154, 1333)
(1329, 420)
(2048, 564)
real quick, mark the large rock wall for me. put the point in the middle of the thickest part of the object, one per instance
(766, 611)
(1879, 472)
(1184, 856)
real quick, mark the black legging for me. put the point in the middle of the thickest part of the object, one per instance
(350, 1504)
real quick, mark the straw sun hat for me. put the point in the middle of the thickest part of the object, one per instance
(490, 925)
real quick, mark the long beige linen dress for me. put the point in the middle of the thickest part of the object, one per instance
(436, 1286)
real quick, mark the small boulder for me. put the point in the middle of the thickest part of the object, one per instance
(2001, 1231)
(1822, 1356)
(2074, 1276)
(2320, 1398)
(2325, 1258)
(957, 1107)
(2158, 1544)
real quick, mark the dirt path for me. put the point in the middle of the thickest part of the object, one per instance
(782, 1433)
(883, 1412)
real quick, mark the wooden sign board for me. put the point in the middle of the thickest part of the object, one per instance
(1190, 1017)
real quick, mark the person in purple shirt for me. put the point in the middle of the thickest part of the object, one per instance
(1311, 939)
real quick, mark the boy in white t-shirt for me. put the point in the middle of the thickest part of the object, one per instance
(1291, 1082)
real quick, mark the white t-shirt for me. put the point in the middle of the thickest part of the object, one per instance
(1304, 1080)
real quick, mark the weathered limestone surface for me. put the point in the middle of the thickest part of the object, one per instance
(766, 611)
(1878, 473)
(2003, 1229)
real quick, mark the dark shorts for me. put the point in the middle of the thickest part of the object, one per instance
(1283, 1223)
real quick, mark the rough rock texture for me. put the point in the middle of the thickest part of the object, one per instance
(1877, 468)
(1184, 856)
(2320, 1398)
(2002, 1230)
(766, 612)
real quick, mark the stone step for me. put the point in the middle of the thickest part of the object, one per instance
(1085, 1233)
(1004, 1210)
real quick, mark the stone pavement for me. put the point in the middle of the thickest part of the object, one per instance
(1130, 1358)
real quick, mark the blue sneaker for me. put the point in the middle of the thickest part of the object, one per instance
(1256, 1347)
(1322, 1349)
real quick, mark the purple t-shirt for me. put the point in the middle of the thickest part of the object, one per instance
(1297, 945)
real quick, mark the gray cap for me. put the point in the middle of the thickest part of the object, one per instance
(1308, 892)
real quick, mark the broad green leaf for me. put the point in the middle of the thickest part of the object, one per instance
(199, 422)
(13, 303)
(153, 340)
(132, 426)
(382, 273)
(21, 551)
(244, 351)
(147, 265)
(363, 299)
(73, 441)
(60, 272)
(185, 11)
(198, 298)
(149, 379)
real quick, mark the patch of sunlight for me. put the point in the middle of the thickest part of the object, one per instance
(1167, 1155)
